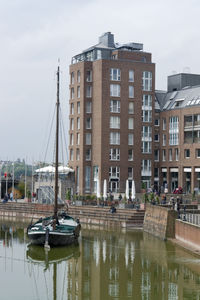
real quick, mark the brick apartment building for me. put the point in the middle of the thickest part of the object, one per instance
(120, 128)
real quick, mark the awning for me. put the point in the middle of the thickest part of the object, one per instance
(173, 170)
(164, 170)
(189, 170)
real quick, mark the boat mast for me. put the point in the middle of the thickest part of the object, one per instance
(57, 142)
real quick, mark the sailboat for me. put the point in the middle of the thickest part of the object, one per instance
(58, 229)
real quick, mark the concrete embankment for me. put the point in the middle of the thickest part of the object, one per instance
(160, 221)
(126, 218)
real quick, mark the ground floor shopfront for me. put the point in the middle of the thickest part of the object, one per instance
(188, 178)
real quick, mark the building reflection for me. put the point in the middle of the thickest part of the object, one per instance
(111, 265)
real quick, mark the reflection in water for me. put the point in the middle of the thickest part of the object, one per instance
(106, 265)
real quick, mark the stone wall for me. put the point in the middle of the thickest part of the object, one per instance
(160, 221)
(188, 234)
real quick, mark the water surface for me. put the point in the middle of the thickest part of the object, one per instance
(107, 264)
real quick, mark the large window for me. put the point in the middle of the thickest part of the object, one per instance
(88, 91)
(164, 140)
(88, 153)
(78, 138)
(115, 90)
(78, 107)
(156, 155)
(88, 107)
(131, 91)
(170, 154)
(72, 124)
(130, 173)
(78, 92)
(88, 138)
(89, 76)
(72, 108)
(115, 122)
(71, 154)
(164, 124)
(115, 74)
(87, 178)
(131, 76)
(130, 154)
(147, 133)
(131, 108)
(147, 116)
(173, 131)
(147, 81)
(72, 93)
(130, 139)
(130, 123)
(72, 77)
(146, 147)
(77, 154)
(146, 165)
(114, 172)
(78, 76)
(176, 154)
(78, 123)
(88, 124)
(71, 139)
(114, 138)
(163, 155)
(114, 154)
(115, 106)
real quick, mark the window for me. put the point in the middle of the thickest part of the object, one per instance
(72, 78)
(130, 154)
(147, 133)
(115, 90)
(78, 138)
(71, 154)
(78, 76)
(164, 155)
(88, 107)
(187, 153)
(72, 108)
(170, 154)
(131, 91)
(78, 92)
(173, 130)
(176, 154)
(198, 153)
(89, 76)
(156, 172)
(115, 106)
(115, 122)
(147, 102)
(146, 165)
(77, 154)
(72, 124)
(130, 173)
(78, 108)
(114, 172)
(78, 123)
(130, 123)
(157, 122)
(114, 154)
(131, 108)
(146, 147)
(72, 93)
(88, 123)
(156, 155)
(147, 81)
(88, 153)
(87, 178)
(147, 116)
(115, 74)
(130, 139)
(164, 140)
(114, 138)
(77, 179)
(164, 124)
(71, 139)
(88, 138)
(131, 76)
(156, 138)
(88, 91)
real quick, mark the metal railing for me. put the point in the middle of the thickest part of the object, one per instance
(191, 218)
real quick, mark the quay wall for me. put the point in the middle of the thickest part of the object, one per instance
(101, 216)
(160, 221)
(188, 234)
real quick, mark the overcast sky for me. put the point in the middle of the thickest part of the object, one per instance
(35, 33)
